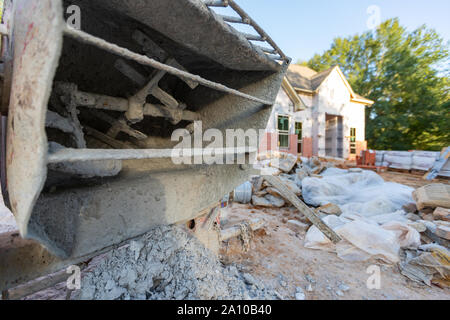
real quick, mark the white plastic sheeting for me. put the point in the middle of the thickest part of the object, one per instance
(416, 160)
(372, 223)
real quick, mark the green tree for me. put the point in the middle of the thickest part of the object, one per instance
(407, 75)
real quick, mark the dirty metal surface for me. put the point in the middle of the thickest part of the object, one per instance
(192, 24)
(38, 42)
(86, 217)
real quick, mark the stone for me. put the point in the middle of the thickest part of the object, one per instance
(441, 214)
(426, 216)
(443, 231)
(273, 192)
(413, 217)
(309, 279)
(302, 174)
(136, 247)
(285, 165)
(343, 287)
(419, 226)
(297, 226)
(330, 208)
(249, 279)
(260, 193)
(269, 201)
(432, 196)
(430, 225)
(172, 264)
(257, 182)
(269, 171)
(410, 208)
(300, 295)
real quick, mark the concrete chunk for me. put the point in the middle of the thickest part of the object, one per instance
(441, 214)
(443, 232)
(432, 196)
(285, 165)
(269, 201)
(330, 208)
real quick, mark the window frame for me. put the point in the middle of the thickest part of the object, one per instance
(352, 141)
(299, 138)
(283, 132)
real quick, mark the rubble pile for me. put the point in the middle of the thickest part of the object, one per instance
(168, 263)
(291, 170)
(374, 218)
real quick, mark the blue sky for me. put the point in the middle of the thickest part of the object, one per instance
(302, 28)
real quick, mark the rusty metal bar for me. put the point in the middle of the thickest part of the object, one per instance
(144, 60)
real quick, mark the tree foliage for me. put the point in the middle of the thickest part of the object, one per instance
(407, 75)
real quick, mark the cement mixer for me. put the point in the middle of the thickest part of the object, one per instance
(89, 110)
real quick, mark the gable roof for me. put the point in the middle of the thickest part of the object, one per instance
(307, 80)
(292, 94)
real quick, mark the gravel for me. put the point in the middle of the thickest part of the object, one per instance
(168, 264)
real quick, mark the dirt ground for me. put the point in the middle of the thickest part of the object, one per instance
(278, 257)
(413, 180)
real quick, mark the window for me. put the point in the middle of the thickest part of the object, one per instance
(299, 133)
(352, 140)
(283, 131)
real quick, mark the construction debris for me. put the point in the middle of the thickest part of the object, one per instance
(330, 208)
(432, 196)
(443, 231)
(303, 208)
(268, 201)
(167, 264)
(441, 214)
(236, 231)
(431, 264)
(286, 165)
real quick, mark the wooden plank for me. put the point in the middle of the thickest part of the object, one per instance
(303, 208)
